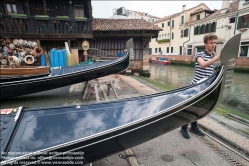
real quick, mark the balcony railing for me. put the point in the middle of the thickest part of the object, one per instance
(46, 25)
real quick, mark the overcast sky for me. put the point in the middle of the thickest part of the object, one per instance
(104, 9)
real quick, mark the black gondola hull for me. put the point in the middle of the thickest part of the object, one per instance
(172, 112)
(28, 86)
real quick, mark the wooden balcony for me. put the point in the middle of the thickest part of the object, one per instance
(44, 27)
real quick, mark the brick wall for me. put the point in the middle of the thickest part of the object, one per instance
(241, 61)
(184, 58)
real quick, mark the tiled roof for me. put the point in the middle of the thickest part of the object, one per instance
(204, 19)
(167, 17)
(101, 24)
(176, 14)
(232, 8)
(198, 11)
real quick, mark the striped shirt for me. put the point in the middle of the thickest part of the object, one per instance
(200, 72)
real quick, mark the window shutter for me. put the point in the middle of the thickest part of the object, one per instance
(187, 32)
(195, 30)
(214, 26)
(209, 27)
(199, 29)
(239, 22)
(181, 33)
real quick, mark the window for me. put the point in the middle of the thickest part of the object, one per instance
(182, 20)
(172, 50)
(180, 50)
(198, 17)
(213, 28)
(243, 22)
(162, 25)
(155, 50)
(232, 20)
(206, 28)
(150, 50)
(185, 33)
(79, 11)
(159, 49)
(172, 35)
(11, 8)
(202, 29)
(189, 50)
(168, 23)
(181, 33)
(172, 23)
(167, 49)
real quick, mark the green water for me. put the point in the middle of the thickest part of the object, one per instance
(178, 76)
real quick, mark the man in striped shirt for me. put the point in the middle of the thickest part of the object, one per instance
(203, 68)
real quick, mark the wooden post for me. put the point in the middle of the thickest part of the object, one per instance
(28, 10)
(45, 7)
(90, 9)
(1, 7)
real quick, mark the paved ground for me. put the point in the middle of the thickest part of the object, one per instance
(169, 149)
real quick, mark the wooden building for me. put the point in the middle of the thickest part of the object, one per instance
(52, 23)
(55, 21)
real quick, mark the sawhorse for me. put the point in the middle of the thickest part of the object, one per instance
(93, 86)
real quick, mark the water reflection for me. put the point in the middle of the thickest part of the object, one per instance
(179, 76)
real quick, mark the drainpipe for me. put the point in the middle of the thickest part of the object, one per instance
(170, 34)
(235, 27)
(188, 37)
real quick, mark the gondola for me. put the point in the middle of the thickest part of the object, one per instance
(94, 131)
(63, 76)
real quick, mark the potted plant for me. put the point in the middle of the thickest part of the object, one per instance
(42, 17)
(23, 16)
(163, 41)
(62, 17)
(80, 18)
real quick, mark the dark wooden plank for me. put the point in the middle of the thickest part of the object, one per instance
(47, 36)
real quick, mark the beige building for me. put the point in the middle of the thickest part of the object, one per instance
(243, 26)
(221, 23)
(171, 41)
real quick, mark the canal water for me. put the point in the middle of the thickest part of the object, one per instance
(179, 76)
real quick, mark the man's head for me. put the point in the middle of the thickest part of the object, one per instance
(210, 42)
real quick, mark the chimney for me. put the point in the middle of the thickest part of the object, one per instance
(225, 6)
(183, 7)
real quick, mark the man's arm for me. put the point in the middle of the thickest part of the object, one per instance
(205, 64)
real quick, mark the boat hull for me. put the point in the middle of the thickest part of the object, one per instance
(161, 62)
(170, 110)
(29, 86)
